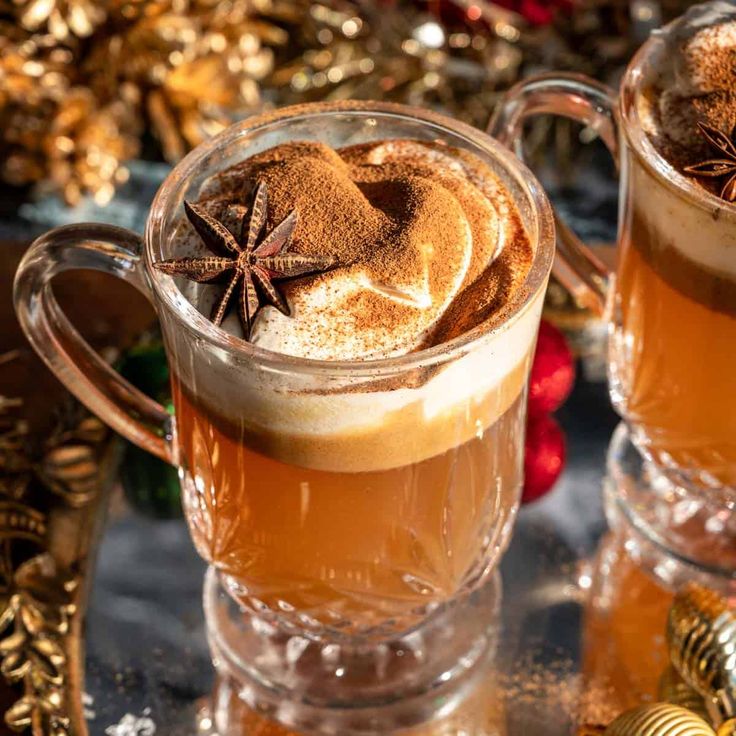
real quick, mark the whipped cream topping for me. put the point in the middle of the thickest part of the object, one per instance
(693, 79)
(426, 238)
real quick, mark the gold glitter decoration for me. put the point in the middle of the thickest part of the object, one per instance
(659, 719)
(398, 51)
(701, 634)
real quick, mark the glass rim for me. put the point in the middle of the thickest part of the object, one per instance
(657, 165)
(190, 319)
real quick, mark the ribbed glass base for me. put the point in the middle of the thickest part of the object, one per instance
(678, 533)
(333, 688)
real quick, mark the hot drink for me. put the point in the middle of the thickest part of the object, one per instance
(671, 301)
(675, 347)
(349, 296)
(359, 502)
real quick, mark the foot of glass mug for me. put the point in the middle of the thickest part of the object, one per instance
(678, 533)
(325, 688)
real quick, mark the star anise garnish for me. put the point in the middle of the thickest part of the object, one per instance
(718, 167)
(256, 260)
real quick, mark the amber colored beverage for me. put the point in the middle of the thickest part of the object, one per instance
(675, 342)
(353, 468)
(351, 549)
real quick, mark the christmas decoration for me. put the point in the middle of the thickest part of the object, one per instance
(550, 382)
(78, 77)
(85, 85)
(701, 633)
(656, 719)
(544, 456)
(673, 689)
(553, 372)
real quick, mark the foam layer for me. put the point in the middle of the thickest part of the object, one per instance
(706, 239)
(410, 225)
(364, 423)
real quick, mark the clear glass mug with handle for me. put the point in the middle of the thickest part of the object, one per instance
(348, 510)
(671, 308)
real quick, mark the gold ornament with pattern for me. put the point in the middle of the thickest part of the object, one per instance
(701, 635)
(655, 719)
(673, 689)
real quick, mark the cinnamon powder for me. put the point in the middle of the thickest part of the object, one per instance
(403, 224)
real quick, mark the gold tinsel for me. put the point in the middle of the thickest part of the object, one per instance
(87, 84)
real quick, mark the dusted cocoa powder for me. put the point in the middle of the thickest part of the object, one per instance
(399, 214)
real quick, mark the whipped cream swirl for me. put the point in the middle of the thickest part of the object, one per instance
(411, 225)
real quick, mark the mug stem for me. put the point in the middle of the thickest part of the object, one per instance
(83, 372)
(588, 102)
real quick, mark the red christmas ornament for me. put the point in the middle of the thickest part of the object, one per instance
(544, 456)
(553, 371)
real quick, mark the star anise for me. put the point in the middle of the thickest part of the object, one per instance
(256, 260)
(718, 167)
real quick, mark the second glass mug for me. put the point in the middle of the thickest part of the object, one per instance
(672, 336)
(339, 539)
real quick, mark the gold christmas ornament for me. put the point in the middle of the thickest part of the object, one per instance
(701, 634)
(72, 112)
(673, 689)
(658, 719)
(86, 145)
(700, 684)
(190, 73)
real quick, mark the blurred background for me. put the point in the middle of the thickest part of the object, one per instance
(89, 86)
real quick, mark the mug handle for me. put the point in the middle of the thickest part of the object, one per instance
(586, 101)
(101, 389)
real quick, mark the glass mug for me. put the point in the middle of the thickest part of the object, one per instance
(672, 319)
(339, 540)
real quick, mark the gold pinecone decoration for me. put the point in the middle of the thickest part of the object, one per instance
(189, 73)
(81, 81)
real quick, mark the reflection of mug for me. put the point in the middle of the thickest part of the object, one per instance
(332, 496)
(673, 303)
